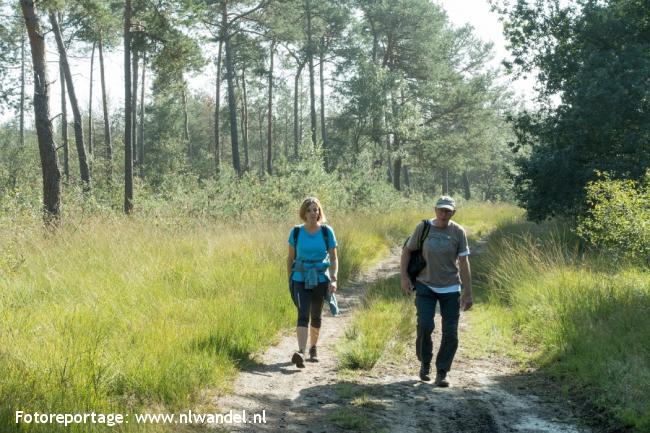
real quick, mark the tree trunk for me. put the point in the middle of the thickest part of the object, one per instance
(286, 133)
(78, 127)
(244, 119)
(389, 160)
(232, 103)
(445, 182)
(135, 54)
(397, 171)
(261, 131)
(107, 125)
(64, 126)
(376, 130)
(375, 40)
(296, 95)
(217, 106)
(90, 103)
(140, 144)
(269, 126)
(186, 121)
(312, 93)
(407, 177)
(128, 115)
(47, 150)
(323, 128)
(397, 164)
(468, 192)
(22, 88)
(301, 109)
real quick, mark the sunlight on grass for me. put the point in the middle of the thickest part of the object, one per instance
(117, 315)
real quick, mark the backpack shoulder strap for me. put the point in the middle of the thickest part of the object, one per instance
(425, 232)
(326, 236)
(296, 232)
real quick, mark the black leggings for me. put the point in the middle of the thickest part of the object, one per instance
(310, 302)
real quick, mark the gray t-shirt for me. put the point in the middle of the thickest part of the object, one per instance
(440, 250)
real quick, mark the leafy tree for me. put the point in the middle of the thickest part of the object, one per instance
(225, 18)
(419, 91)
(84, 167)
(10, 41)
(592, 56)
(98, 22)
(161, 36)
(14, 64)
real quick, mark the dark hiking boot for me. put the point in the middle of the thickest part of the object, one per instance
(424, 372)
(313, 354)
(299, 359)
(441, 380)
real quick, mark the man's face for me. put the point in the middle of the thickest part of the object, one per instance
(443, 215)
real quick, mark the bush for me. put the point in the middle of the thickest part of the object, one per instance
(185, 195)
(618, 219)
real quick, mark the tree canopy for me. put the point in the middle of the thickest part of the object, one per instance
(592, 61)
(388, 88)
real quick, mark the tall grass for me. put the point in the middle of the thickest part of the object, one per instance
(119, 315)
(385, 322)
(584, 318)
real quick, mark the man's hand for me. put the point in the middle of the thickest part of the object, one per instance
(466, 301)
(332, 287)
(406, 286)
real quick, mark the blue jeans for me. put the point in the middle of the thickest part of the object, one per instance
(425, 303)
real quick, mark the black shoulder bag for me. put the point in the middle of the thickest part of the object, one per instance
(417, 262)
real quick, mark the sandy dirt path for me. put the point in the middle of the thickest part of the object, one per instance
(486, 395)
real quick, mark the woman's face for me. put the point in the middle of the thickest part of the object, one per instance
(312, 213)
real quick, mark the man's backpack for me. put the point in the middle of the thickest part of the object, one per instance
(417, 262)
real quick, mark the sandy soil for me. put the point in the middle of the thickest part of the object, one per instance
(486, 395)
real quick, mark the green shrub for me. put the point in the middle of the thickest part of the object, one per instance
(618, 220)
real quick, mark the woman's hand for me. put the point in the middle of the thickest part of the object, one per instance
(332, 287)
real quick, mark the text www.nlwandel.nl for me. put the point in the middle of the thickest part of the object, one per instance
(114, 419)
(189, 417)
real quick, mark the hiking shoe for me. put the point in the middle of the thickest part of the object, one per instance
(313, 354)
(424, 372)
(441, 380)
(299, 359)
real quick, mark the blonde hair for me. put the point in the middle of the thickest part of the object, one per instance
(304, 207)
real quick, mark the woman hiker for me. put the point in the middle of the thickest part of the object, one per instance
(311, 267)
(446, 253)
